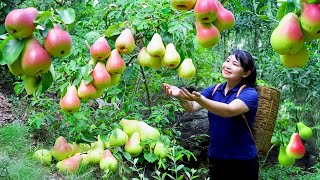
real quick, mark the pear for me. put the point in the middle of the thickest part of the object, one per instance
(299, 59)
(305, 132)
(96, 151)
(132, 146)
(100, 49)
(85, 159)
(20, 23)
(33, 11)
(207, 35)
(118, 138)
(186, 69)
(86, 91)
(35, 60)
(99, 93)
(70, 102)
(84, 147)
(58, 42)
(171, 58)
(70, 165)
(115, 64)
(183, 4)
(147, 132)
(295, 148)
(283, 158)
(154, 61)
(160, 150)
(44, 156)
(142, 59)
(15, 68)
(125, 42)
(108, 161)
(206, 11)
(155, 46)
(115, 79)
(225, 18)
(287, 38)
(129, 126)
(75, 148)
(61, 149)
(30, 84)
(101, 77)
(310, 19)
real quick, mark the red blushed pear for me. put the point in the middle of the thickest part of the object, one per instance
(70, 165)
(225, 19)
(61, 149)
(101, 77)
(58, 42)
(207, 35)
(310, 19)
(287, 38)
(183, 4)
(100, 49)
(108, 161)
(16, 68)
(86, 91)
(70, 102)
(125, 43)
(295, 148)
(33, 11)
(115, 64)
(19, 23)
(35, 60)
(206, 11)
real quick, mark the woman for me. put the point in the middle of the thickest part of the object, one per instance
(232, 152)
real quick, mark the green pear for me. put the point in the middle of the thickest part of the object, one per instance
(183, 4)
(96, 151)
(84, 147)
(299, 59)
(171, 58)
(70, 102)
(86, 91)
(160, 150)
(133, 145)
(129, 126)
(142, 59)
(100, 49)
(155, 46)
(287, 38)
(99, 93)
(305, 132)
(35, 60)
(154, 61)
(118, 138)
(85, 159)
(186, 69)
(30, 84)
(108, 161)
(16, 68)
(61, 149)
(58, 42)
(44, 156)
(100, 75)
(115, 64)
(283, 158)
(70, 165)
(125, 42)
(147, 132)
(115, 79)
(75, 148)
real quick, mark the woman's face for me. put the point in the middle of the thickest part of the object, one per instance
(232, 69)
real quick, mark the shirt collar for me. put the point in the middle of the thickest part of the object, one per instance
(234, 89)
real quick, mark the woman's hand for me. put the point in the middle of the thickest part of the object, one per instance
(173, 91)
(194, 96)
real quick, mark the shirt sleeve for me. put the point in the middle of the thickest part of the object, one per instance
(207, 92)
(250, 97)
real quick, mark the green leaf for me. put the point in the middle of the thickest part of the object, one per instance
(150, 157)
(180, 167)
(264, 17)
(127, 156)
(88, 137)
(47, 79)
(282, 10)
(113, 30)
(12, 49)
(68, 16)
(43, 16)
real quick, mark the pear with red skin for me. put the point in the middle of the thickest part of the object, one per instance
(58, 42)
(225, 19)
(101, 77)
(20, 22)
(70, 165)
(108, 161)
(183, 4)
(16, 68)
(100, 49)
(206, 11)
(35, 60)
(61, 149)
(295, 148)
(115, 64)
(207, 35)
(86, 91)
(125, 43)
(132, 146)
(70, 102)
(33, 11)
(310, 19)
(287, 38)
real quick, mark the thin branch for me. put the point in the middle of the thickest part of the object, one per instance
(87, 44)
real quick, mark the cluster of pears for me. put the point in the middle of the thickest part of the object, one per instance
(156, 55)
(106, 66)
(290, 35)
(211, 19)
(71, 156)
(35, 58)
(295, 149)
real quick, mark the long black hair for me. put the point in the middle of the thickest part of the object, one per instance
(248, 64)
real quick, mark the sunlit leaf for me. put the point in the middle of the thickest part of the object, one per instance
(68, 16)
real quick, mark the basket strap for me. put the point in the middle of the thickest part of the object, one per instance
(215, 89)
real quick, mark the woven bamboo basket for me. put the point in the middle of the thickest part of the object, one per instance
(263, 127)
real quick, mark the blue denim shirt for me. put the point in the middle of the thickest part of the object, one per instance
(230, 137)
